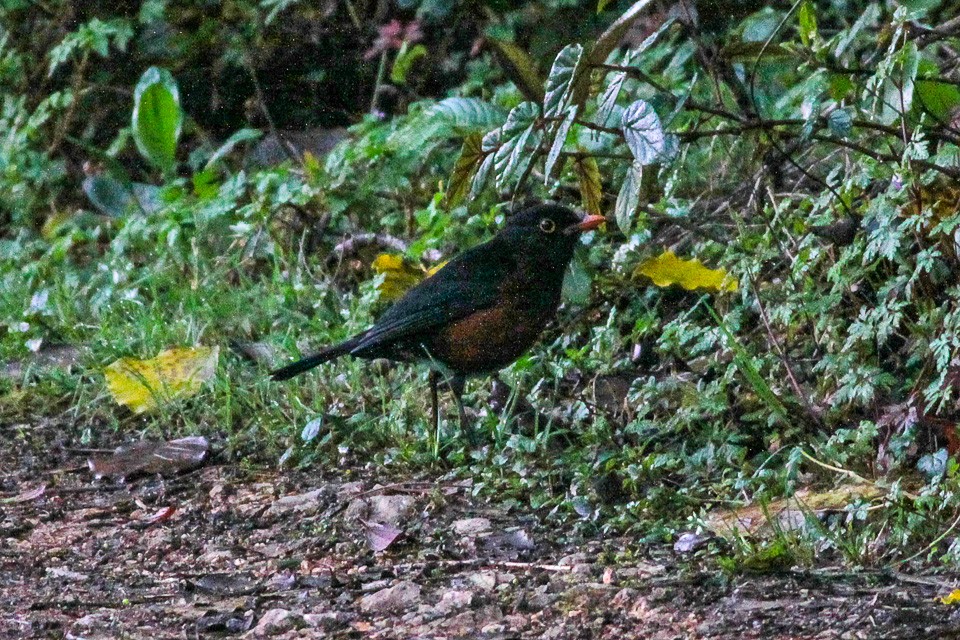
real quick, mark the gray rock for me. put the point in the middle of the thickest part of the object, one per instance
(400, 596)
(328, 620)
(303, 502)
(471, 526)
(276, 621)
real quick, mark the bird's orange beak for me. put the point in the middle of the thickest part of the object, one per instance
(590, 222)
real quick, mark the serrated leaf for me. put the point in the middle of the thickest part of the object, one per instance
(588, 179)
(174, 373)
(643, 132)
(559, 82)
(840, 122)
(608, 99)
(628, 200)
(482, 175)
(467, 115)
(653, 37)
(470, 158)
(667, 269)
(520, 117)
(518, 143)
(559, 138)
(513, 157)
(157, 117)
(606, 43)
(521, 68)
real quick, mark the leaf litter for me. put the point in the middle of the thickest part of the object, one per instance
(230, 551)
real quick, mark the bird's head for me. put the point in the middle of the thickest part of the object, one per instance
(549, 231)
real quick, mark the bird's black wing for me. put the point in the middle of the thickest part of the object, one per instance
(468, 283)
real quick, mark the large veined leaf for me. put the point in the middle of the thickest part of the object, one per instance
(629, 198)
(606, 43)
(488, 145)
(643, 132)
(157, 117)
(518, 140)
(470, 158)
(467, 115)
(481, 176)
(559, 137)
(588, 179)
(560, 80)
(514, 157)
(608, 99)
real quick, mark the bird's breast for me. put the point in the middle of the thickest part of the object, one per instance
(492, 338)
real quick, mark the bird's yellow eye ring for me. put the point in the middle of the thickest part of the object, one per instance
(547, 225)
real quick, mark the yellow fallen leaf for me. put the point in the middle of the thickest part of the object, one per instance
(951, 598)
(400, 275)
(667, 269)
(141, 384)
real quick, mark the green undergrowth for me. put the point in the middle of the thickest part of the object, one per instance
(810, 155)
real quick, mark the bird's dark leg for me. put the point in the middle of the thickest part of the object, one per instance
(434, 401)
(457, 384)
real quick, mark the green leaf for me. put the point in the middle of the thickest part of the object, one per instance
(559, 138)
(606, 43)
(467, 115)
(157, 117)
(463, 170)
(243, 135)
(608, 99)
(517, 144)
(576, 282)
(808, 24)
(483, 173)
(112, 198)
(602, 4)
(406, 56)
(628, 200)
(521, 68)
(898, 89)
(939, 98)
(643, 132)
(840, 122)
(588, 179)
(559, 82)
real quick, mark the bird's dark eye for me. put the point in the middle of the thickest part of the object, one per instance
(547, 225)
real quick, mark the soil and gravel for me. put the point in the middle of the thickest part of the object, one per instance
(223, 551)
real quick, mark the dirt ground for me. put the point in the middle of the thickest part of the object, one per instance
(225, 552)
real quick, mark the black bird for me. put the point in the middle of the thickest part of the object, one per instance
(481, 311)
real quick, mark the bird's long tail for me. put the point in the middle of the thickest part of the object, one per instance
(313, 360)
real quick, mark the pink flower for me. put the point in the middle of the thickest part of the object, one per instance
(392, 35)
